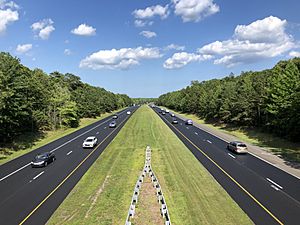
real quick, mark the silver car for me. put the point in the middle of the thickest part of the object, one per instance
(237, 147)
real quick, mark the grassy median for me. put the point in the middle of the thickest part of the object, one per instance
(31, 141)
(104, 193)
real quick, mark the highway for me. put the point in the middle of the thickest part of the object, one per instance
(267, 194)
(31, 195)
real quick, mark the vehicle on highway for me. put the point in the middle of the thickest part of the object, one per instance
(189, 122)
(175, 121)
(113, 124)
(115, 116)
(159, 111)
(128, 112)
(173, 115)
(163, 113)
(167, 111)
(237, 147)
(43, 159)
(90, 142)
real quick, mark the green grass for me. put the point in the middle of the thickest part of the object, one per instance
(103, 195)
(290, 151)
(31, 141)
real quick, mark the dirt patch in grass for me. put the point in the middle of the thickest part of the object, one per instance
(147, 209)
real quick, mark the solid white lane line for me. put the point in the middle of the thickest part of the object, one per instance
(277, 185)
(209, 141)
(12, 173)
(231, 155)
(38, 175)
(69, 152)
(8, 175)
(196, 133)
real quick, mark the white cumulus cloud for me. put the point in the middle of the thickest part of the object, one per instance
(294, 54)
(148, 34)
(195, 10)
(21, 49)
(43, 28)
(174, 47)
(152, 11)
(142, 23)
(181, 59)
(8, 14)
(84, 30)
(122, 58)
(261, 39)
(67, 51)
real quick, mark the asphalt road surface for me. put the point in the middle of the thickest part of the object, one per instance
(267, 194)
(31, 195)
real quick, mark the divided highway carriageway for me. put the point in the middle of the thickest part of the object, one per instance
(31, 195)
(267, 194)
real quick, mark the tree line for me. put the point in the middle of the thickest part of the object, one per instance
(268, 99)
(31, 100)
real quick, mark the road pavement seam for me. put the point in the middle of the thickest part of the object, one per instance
(227, 174)
(69, 175)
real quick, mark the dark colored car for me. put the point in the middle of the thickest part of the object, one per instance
(115, 117)
(113, 124)
(175, 121)
(43, 159)
(189, 122)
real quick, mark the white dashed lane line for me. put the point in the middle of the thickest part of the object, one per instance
(97, 133)
(274, 183)
(196, 133)
(38, 175)
(209, 141)
(232, 156)
(70, 152)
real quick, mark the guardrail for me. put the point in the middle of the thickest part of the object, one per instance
(159, 194)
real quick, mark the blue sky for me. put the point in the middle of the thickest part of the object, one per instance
(145, 48)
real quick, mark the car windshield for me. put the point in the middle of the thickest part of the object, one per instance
(41, 156)
(89, 140)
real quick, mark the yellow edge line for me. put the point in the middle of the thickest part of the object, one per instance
(228, 175)
(67, 177)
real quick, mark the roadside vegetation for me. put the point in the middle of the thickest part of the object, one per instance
(258, 106)
(32, 102)
(269, 99)
(30, 141)
(103, 195)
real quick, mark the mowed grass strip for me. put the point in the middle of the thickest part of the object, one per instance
(103, 195)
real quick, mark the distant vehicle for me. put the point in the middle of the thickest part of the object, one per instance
(43, 159)
(90, 142)
(189, 122)
(113, 124)
(167, 111)
(128, 112)
(175, 121)
(115, 116)
(173, 115)
(159, 111)
(162, 109)
(163, 113)
(237, 147)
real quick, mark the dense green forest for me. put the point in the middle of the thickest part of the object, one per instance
(269, 99)
(31, 100)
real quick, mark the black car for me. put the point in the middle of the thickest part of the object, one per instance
(43, 159)
(115, 117)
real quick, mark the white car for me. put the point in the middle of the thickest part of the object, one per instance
(167, 111)
(90, 142)
(128, 112)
